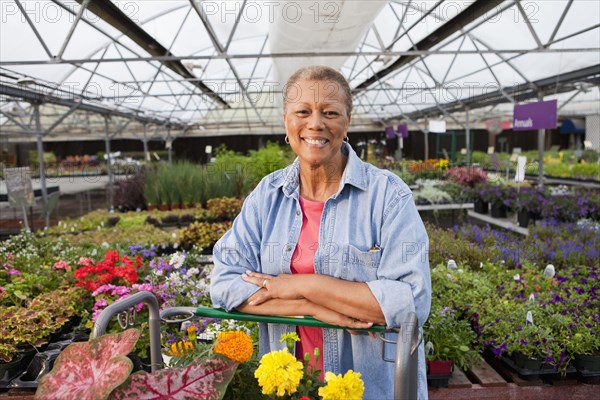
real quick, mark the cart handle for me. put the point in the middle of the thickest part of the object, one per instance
(240, 316)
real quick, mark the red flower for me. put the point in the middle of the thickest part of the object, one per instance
(112, 268)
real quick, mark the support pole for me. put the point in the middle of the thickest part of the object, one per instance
(541, 140)
(467, 135)
(40, 151)
(426, 141)
(400, 146)
(145, 141)
(108, 164)
(169, 146)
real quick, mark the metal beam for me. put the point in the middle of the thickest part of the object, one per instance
(528, 23)
(404, 53)
(111, 14)
(560, 21)
(37, 97)
(555, 84)
(35, 31)
(84, 5)
(221, 50)
(468, 15)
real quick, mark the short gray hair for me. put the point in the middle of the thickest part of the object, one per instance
(319, 73)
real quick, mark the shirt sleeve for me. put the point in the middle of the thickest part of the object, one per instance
(404, 281)
(237, 251)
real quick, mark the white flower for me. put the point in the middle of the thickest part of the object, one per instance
(105, 245)
(192, 271)
(177, 260)
(517, 277)
(157, 272)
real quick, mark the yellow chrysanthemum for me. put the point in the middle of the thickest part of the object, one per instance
(279, 373)
(347, 387)
(289, 336)
(235, 345)
(182, 348)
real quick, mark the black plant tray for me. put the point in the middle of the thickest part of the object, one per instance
(438, 381)
(585, 374)
(530, 374)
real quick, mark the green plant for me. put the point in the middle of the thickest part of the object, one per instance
(224, 207)
(449, 338)
(203, 234)
(30, 326)
(584, 338)
(429, 193)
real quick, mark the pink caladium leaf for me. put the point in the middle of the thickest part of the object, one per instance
(201, 379)
(90, 370)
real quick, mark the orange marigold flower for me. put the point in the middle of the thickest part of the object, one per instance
(182, 348)
(537, 288)
(235, 345)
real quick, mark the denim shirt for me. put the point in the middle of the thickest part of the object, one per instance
(370, 232)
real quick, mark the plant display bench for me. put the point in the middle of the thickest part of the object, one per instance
(499, 222)
(494, 380)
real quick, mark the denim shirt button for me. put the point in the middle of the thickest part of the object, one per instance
(288, 247)
(298, 212)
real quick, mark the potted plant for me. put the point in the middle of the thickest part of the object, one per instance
(450, 342)
(584, 345)
(564, 207)
(529, 204)
(500, 197)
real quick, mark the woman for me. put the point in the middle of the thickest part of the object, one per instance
(331, 237)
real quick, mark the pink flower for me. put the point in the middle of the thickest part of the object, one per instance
(85, 261)
(143, 287)
(61, 265)
(14, 272)
(100, 303)
(10, 256)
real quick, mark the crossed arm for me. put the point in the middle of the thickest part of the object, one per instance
(325, 298)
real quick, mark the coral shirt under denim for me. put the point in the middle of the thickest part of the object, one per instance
(373, 210)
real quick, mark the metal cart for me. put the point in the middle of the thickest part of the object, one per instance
(406, 360)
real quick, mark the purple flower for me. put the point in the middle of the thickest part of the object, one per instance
(498, 350)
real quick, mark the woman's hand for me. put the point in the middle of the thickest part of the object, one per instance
(328, 316)
(277, 287)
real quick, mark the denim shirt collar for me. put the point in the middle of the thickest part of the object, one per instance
(354, 174)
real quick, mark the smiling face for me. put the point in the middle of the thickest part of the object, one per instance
(316, 121)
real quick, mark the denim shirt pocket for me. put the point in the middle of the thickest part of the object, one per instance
(358, 265)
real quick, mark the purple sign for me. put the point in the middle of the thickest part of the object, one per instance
(389, 132)
(532, 116)
(403, 131)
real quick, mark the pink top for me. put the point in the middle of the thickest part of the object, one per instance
(303, 263)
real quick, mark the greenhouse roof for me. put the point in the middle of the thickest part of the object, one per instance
(203, 68)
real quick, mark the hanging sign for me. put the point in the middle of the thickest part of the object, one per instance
(403, 131)
(389, 132)
(18, 185)
(532, 116)
(437, 126)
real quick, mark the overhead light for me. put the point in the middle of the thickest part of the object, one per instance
(25, 81)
